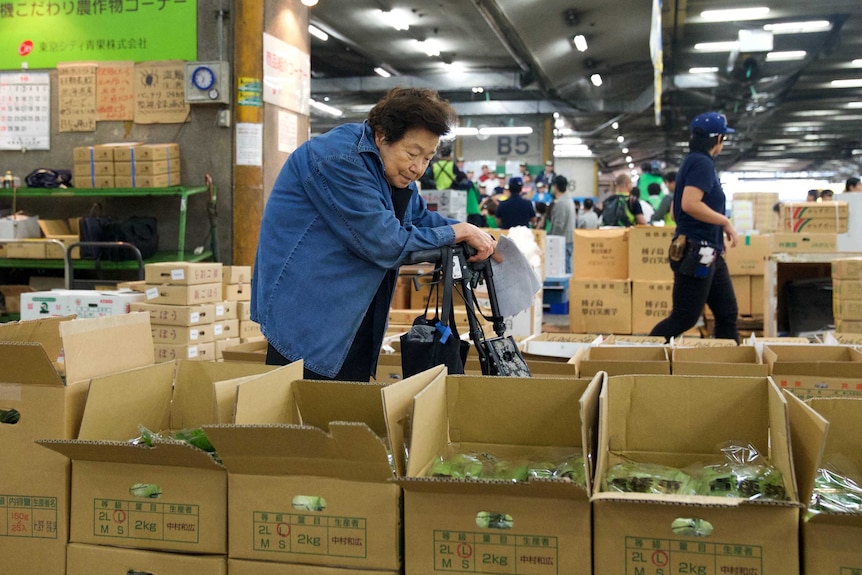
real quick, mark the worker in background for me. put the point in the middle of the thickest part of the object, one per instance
(853, 184)
(663, 212)
(703, 231)
(343, 215)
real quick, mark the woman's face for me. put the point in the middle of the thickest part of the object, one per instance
(405, 160)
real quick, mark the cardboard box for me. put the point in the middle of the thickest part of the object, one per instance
(101, 303)
(186, 335)
(652, 301)
(680, 421)
(551, 531)
(600, 306)
(844, 309)
(758, 296)
(750, 254)
(831, 539)
(621, 360)
(804, 242)
(87, 154)
(821, 210)
(814, 225)
(237, 292)
(190, 513)
(86, 170)
(184, 294)
(43, 304)
(12, 297)
(50, 395)
(601, 254)
(183, 273)
(720, 361)
(321, 439)
(176, 351)
(32, 249)
(236, 274)
(222, 344)
(135, 169)
(149, 152)
(227, 329)
(648, 247)
(201, 314)
(19, 226)
(226, 310)
(848, 326)
(254, 352)
(148, 181)
(557, 345)
(815, 370)
(243, 310)
(249, 329)
(742, 291)
(59, 230)
(106, 560)
(846, 289)
(847, 268)
(241, 567)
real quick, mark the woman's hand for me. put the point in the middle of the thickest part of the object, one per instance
(484, 243)
(729, 235)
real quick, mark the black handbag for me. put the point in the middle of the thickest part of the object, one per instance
(435, 341)
(140, 231)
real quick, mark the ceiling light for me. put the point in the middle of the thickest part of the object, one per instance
(325, 108)
(703, 70)
(381, 72)
(851, 83)
(505, 131)
(398, 19)
(799, 27)
(585, 153)
(477, 89)
(735, 14)
(726, 46)
(856, 63)
(786, 56)
(580, 42)
(634, 172)
(573, 141)
(620, 139)
(615, 125)
(596, 79)
(317, 32)
(309, 3)
(430, 47)
(854, 105)
(628, 159)
(624, 150)
(465, 131)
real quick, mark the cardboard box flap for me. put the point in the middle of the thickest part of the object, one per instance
(43, 331)
(205, 392)
(55, 228)
(398, 408)
(322, 402)
(267, 399)
(172, 453)
(588, 407)
(27, 363)
(118, 405)
(85, 341)
(350, 451)
(813, 360)
(549, 488)
(808, 436)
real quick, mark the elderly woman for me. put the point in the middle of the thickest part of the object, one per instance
(343, 215)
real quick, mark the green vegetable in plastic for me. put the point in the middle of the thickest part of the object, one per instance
(649, 478)
(10, 416)
(488, 520)
(308, 503)
(690, 527)
(149, 490)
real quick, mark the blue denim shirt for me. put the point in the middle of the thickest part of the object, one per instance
(328, 236)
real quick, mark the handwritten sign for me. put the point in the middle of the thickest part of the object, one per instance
(76, 93)
(159, 93)
(115, 91)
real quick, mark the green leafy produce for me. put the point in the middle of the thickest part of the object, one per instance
(150, 490)
(308, 503)
(459, 466)
(196, 437)
(488, 520)
(835, 493)
(632, 477)
(483, 465)
(748, 481)
(691, 527)
(10, 416)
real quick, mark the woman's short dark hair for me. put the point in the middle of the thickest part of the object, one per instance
(588, 203)
(701, 141)
(402, 109)
(654, 189)
(851, 181)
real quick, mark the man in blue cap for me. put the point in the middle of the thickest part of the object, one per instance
(703, 231)
(516, 210)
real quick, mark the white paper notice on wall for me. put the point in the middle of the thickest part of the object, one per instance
(288, 132)
(249, 144)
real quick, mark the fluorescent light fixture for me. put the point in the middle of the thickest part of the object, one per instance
(574, 152)
(430, 47)
(799, 27)
(325, 108)
(735, 14)
(317, 32)
(570, 141)
(580, 42)
(596, 79)
(851, 83)
(854, 105)
(856, 63)
(786, 56)
(381, 72)
(455, 67)
(506, 131)
(703, 70)
(465, 131)
(309, 3)
(726, 46)
(398, 19)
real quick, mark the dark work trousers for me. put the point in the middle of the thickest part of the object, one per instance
(690, 294)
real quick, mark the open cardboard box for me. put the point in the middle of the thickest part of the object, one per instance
(243, 567)
(189, 514)
(107, 560)
(816, 370)
(830, 540)
(740, 361)
(556, 346)
(45, 372)
(681, 421)
(507, 417)
(297, 440)
(621, 360)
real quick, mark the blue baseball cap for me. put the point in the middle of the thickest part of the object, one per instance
(712, 123)
(516, 183)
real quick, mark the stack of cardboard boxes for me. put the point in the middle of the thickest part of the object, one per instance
(847, 295)
(814, 217)
(127, 165)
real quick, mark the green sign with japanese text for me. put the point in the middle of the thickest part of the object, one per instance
(39, 34)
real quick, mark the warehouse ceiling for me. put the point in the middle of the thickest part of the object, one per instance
(790, 115)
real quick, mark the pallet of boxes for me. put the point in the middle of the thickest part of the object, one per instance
(847, 295)
(191, 316)
(126, 165)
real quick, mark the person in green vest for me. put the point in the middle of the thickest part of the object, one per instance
(444, 170)
(474, 210)
(664, 213)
